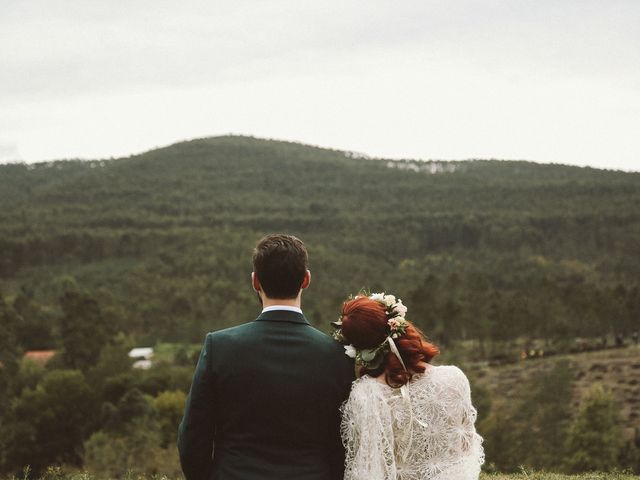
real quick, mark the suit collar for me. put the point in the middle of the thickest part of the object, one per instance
(282, 307)
(282, 316)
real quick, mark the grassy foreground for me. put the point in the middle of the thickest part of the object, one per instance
(57, 474)
(557, 476)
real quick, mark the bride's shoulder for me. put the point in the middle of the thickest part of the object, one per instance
(448, 375)
(447, 371)
(365, 392)
(370, 387)
(364, 383)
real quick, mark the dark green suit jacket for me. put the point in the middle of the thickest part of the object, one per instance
(265, 401)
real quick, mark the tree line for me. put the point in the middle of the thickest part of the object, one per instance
(99, 256)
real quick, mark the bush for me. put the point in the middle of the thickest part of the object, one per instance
(168, 408)
(595, 439)
(49, 424)
(137, 452)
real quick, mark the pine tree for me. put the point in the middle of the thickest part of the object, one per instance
(84, 331)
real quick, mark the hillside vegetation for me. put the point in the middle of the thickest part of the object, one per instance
(555, 476)
(55, 475)
(616, 369)
(491, 258)
(481, 249)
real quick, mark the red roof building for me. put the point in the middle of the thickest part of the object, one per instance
(41, 357)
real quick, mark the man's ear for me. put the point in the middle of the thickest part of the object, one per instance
(255, 283)
(306, 281)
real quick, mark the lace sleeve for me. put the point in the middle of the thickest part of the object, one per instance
(462, 421)
(367, 435)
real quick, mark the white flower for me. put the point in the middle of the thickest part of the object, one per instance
(396, 322)
(389, 300)
(350, 351)
(378, 297)
(400, 308)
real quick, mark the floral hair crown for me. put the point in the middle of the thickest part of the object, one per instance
(372, 358)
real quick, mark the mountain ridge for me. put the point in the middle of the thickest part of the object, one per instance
(262, 141)
(184, 219)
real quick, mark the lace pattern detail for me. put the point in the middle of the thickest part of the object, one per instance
(424, 431)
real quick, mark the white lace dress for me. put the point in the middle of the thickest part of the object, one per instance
(424, 431)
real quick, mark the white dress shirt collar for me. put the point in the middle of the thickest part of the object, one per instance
(282, 307)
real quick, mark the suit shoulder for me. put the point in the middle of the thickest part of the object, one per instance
(323, 339)
(335, 355)
(319, 334)
(232, 331)
(227, 337)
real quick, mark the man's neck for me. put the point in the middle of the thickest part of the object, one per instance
(289, 302)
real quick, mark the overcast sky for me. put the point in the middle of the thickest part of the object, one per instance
(543, 80)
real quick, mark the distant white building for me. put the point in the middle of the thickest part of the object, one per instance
(142, 357)
(142, 364)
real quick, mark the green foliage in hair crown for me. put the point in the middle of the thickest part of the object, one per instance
(372, 358)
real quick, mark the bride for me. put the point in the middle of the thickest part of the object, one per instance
(405, 419)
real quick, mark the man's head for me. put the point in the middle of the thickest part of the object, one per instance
(280, 266)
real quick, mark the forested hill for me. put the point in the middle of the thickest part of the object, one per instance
(480, 249)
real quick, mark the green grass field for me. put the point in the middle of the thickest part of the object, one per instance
(556, 476)
(54, 473)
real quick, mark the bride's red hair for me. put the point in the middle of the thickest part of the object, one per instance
(364, 325)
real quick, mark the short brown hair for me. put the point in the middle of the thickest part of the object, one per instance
(280, 262)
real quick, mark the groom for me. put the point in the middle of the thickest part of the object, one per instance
(265, 395)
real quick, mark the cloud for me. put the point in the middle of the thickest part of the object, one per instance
(65, 47)
(9, 153)
(546, 80)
